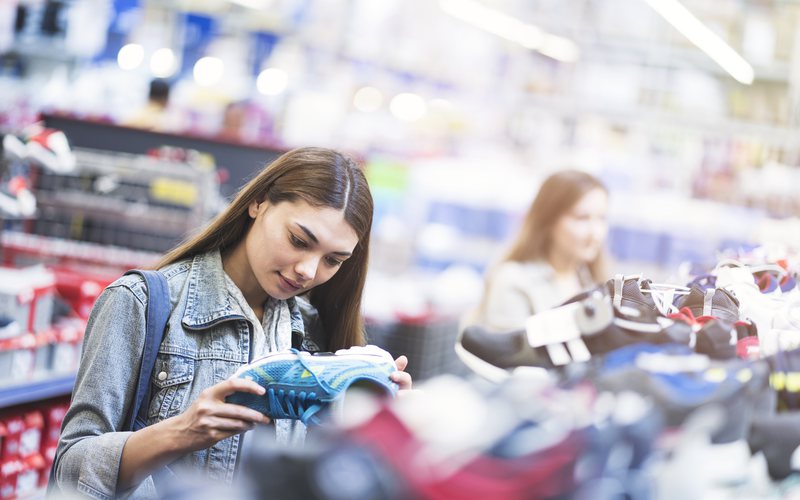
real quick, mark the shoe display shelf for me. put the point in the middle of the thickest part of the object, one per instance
(132, 201)
(29, 434)
(40, 366)
(20, 248)
(39, 362)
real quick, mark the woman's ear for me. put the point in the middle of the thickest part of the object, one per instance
(252, 209)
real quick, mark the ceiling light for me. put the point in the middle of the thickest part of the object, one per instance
(272, 81)
(510, 28)
(252, 4)
(130, 56)
(162, 63)
(705, 39)
(208, 71)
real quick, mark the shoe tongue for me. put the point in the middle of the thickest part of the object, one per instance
(694, 299)
(721, 302)
(631, 293)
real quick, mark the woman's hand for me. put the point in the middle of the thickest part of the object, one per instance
(400, 377)
(210, 419)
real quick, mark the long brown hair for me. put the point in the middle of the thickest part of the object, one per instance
(322, 178)
(557, 195)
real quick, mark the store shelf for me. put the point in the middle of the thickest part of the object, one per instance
(648, 116)
(68, 250)
(132, 214)
(39, 388)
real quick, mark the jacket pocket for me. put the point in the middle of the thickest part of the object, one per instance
(171, 379)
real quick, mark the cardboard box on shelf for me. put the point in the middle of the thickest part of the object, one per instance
(26, 296)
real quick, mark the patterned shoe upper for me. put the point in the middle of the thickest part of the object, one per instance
(299, 384)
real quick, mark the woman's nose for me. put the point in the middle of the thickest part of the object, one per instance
(306, 269)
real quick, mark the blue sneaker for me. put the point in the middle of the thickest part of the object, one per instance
(300, 384)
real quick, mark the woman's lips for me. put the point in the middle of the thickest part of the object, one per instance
(290, 285)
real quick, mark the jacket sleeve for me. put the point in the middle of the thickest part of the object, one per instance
(91, 442)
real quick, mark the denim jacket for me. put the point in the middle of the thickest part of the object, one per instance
(206, 340)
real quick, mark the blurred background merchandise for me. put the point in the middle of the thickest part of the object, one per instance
(687, 111)
(459, 108)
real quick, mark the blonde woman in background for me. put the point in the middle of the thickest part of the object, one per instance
(558, 252)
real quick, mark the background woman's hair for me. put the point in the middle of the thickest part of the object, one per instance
(320, 177)
(556, 197)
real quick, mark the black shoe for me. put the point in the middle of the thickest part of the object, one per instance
(633, 325)
(717, 340)
(777, 437)
(626, 291)
(571, 333)
(716, 302)
(551, 338)
(324, 468)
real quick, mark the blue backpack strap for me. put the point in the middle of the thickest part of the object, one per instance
(157, 315)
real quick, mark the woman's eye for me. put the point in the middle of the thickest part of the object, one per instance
(334, 262)
(297, 242)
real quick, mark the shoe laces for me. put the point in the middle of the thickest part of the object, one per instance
(294, 404)
(663, 295)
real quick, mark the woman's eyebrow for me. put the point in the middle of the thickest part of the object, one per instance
(308, 232)
(313, 238)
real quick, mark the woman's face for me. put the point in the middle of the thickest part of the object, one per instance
(579, 235)
(293, 246)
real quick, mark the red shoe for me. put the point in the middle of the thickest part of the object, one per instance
(545, 473)
(50, 148)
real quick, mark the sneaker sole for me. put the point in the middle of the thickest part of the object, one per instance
(480, 366)
(495, 373)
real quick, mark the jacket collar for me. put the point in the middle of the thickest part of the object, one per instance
(207, 301)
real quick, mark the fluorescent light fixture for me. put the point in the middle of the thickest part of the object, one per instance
(272, 81)
(208, 71)
(559, 48)
(505, 26)
(705, 39)
(162, 62)
(252, 4)
(130, 56)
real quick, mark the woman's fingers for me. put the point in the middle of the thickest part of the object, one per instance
(230, 410)
(403, 379)
(213, 402)
(400, 377)
(401, 363)
(219, 423)
(231, 385)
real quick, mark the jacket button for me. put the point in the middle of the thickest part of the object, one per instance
(162, 376)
